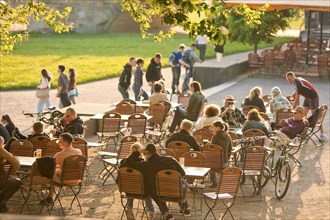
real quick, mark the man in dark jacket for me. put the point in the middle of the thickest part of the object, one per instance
(156, 163)
(154, 73)
(75, 125)
(125, 78)
(185, 136)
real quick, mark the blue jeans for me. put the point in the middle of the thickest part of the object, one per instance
(148, 201)
(42, 102)
(202, 50)
(136, 91)
(185, 84)
(123, 92)
(176, 71)
(178, 117)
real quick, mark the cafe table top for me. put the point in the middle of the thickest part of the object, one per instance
(26, 161)
(196, 172)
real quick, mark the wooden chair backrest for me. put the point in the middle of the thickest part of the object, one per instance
(230, 180)
(183, 98)
(111, 123)
(81, 144)
(5, 168)
(132, 102)
(137, 122)
(264, 116)
(130, 181)
(158, 113)
(39, 142)
(194, 159)
(291, 99)
(233, 135)
(167, 106)
(21, 148)
(179, 148)
(52, 148)
(214, 156)
(167, 152)
(203, 134)
(253, 60)
(321, 116)
(169, 185)
(269, 60)
(36, 178)
(254, 158)
(267, 98)
(73, 169)
(124, 108)
(282, 113)
(256, 133)
(248, 108)
(125, 146)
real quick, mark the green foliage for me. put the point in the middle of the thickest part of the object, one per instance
(22, 14)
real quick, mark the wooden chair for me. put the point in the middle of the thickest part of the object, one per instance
(39, 142)
(248, 108)
(131, 186)
(214, 157)
(203, 136)
(168, 107)
(110, 128)
(264, 116)
(266, 99)
(183, 98)
(323, 64)
(291, 99)
(226, 191)
(81, 144)
(71, 176)
(37, 184)
(5, 169)
(124, 108)
(111, 164)
(256, 133)
(269, 62)
(52, 148)
(166, 152)
(169, 187)
(179, 148)
(254, 161)
(254, 60)
(194, 159)
(137, 123)
(21, 148)
(281, 114)
(314, 128)
(132, 102)
(156, 132)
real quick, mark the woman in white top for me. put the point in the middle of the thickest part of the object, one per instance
(211, 114)
(44, 84)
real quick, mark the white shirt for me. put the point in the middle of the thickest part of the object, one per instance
(44, 83)
(201, 39)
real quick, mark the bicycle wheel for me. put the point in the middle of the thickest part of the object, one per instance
(265, 176)
(283, 178)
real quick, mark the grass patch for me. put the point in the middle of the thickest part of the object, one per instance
(94, 56)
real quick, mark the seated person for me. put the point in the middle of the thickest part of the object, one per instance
(164, 90)
(193, 108)
(254, 99)
(184, 135)
(221, 138)
(211, 114)
(74, 126)
(156, 163)
(11, 127)
(4, 133)
(134, 161)
(38, 130)
(230, 114)
(254, 121)
(278, 102)
(291, 127)
(158, 95)
(13, 184)
(65, 143)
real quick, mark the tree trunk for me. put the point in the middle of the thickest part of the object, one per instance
(255, 47)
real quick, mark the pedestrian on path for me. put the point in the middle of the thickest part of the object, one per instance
(154, 71)
(176, 68)
(72, 85)
(219, 49)
(45, 83)
(125, 78)
(201, 41)
(189, 57)
(62, 88)
(138, 82)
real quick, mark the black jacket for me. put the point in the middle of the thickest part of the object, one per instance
(4, 133)
(256, 101)
(184, 136)
(125, 77)
(74, 127)
(154, 71)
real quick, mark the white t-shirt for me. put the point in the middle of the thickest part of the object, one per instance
(44, 83)
(201, 39)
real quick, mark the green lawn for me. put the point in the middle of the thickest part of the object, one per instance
(94, 56)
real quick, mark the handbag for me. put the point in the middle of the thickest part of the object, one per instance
(42, 93)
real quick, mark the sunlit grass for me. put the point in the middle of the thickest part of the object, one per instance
(94, 56)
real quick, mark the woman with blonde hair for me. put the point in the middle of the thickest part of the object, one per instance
(211, 113)
(254, 99)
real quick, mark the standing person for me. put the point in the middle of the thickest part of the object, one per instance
(62, 88)
(308, 91)
(72, 84)
(13, 184)
(154, 71)
(254, 99)
(45, 83)
(138, 81)
(176, 69)
(189, 57)
(219, 49)
(125, 78)
(201, 45)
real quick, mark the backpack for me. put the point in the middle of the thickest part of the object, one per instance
(173, 60)
(186, 57)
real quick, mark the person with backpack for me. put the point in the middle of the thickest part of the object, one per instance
(125, 78)
(154, 73)
(175, 61)
(189, 57)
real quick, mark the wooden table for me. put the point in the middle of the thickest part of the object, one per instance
(26, 161)
(95, 144)
(196, 172)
